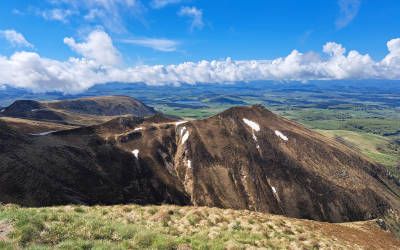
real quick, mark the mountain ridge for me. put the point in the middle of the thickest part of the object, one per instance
(242, 158)
(80, 111)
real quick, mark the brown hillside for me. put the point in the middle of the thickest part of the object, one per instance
(243, 158)
(82, 111)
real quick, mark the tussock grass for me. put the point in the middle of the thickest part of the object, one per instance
(156, 227)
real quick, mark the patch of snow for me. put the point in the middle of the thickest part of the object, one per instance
(273, 189)
(1, 111)
(44, 133)
(182, 131)
(137, 129)
(185, 137)
(251, 124)
(180, 122)
(135, 152)
(280, 135)
(189, 163)
(254, 127)
(33, 110)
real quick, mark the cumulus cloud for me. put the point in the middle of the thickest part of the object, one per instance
(164, 45)
(195, 14)
(334, 49)
(348, 11)
(15, 38)
(158, 4)
(30, 70)
(394, 52)
(98, 46)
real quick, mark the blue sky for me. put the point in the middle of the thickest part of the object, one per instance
(256, 29)
(139, 32)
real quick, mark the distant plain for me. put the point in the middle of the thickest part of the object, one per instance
(362, 114)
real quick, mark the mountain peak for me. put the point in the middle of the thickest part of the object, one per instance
(240, 112)
(242, 158)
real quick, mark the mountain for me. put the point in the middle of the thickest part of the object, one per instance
(250, 158)
(104, 105)
(242, 158)
(227, 100)
(82, 111)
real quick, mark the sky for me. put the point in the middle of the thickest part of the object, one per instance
(71, 45)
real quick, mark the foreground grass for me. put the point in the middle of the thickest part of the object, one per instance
(173, 227)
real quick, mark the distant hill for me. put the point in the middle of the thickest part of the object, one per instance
(104, 106)
(227, 100)
(242, 158)
(82, 111)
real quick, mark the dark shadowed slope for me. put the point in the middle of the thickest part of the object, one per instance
(74, 167)
(245, 157)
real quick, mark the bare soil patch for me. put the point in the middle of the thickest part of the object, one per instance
(5, 229)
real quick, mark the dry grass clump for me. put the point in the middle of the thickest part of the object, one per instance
(159, 227)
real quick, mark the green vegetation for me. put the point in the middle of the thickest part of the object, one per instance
(154, 227)
(392, 223)
(378, 148)
(360, 121)
(367, 120)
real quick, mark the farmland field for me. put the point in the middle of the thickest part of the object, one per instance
(363, 114)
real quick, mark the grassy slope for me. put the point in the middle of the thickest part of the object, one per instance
(169, 227)
(385, 123)
(376, 147)
(32, 126)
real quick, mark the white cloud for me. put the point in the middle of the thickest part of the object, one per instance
(348, 11)
(30, 70)
(164, 45)
(390, 65)
(94, 13)
(158, 4)
(15, 38)
(394, 52)
(108, 13)
(195, 14)
(334, 49)
(60, 15)
(98, 46)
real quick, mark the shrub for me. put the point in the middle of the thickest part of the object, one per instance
(79, 210)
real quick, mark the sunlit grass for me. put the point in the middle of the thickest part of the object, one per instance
(152, 227)
(377, 148)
